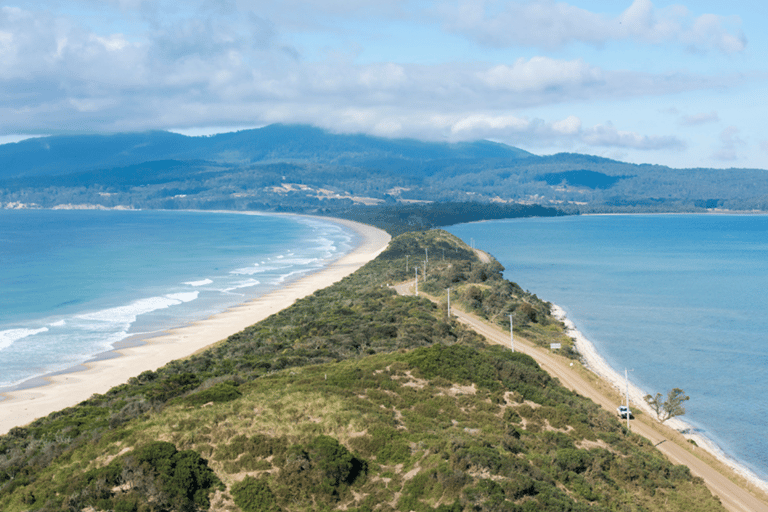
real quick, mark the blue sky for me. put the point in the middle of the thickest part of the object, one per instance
(678, 84)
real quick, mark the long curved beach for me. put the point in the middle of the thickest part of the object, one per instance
(68, 389)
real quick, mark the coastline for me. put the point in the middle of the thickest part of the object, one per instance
(594, 362)
(65, 389)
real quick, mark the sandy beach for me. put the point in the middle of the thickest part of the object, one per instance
(595, 363)
(68, 389)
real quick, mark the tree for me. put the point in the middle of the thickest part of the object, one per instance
(669, 408)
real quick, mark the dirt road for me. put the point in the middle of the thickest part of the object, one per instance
(733, 497)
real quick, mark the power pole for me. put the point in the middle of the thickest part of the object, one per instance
(511, 335)
(626, 383)
(449, 302)
(417, 280)
(406, 263)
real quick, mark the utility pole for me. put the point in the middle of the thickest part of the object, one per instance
(626, 383)
(449, 302)
(406, 262)
(417, 280)
(511, 335)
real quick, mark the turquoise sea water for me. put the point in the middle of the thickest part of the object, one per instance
(680, 299)
(74, 284)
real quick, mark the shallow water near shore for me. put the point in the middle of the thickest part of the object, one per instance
(75, 284)
(678, 299)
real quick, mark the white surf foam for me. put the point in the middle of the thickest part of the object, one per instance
(127, 314)
(242, 284)
(202, 282)
(10, 336)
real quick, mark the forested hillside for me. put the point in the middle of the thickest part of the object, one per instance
(353, 399)
(304, 169)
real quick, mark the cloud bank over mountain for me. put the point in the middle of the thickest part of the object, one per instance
(546, 76)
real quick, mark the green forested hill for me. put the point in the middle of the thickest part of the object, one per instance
(301, 168)
(356, 399)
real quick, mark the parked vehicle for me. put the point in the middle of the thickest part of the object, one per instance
(625, 411)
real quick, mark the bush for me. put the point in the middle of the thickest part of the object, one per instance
(571, 459)
(333, 461)
(221, 392)
(253, 495)
(323, 469)
(181, 480)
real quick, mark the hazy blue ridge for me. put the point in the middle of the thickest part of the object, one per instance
(62, 154)
(324, 171)
(65, 154)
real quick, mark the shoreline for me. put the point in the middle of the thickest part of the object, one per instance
(594, 362)
(99, 374)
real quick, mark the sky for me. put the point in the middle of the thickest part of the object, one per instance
(677, 84)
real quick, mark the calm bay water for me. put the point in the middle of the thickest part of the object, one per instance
(680, 299)
(74, 284)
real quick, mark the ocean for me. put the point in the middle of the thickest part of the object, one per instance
(677, 300)
(76, 284)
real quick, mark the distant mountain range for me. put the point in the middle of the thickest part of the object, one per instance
(301, 167)
(275, 143)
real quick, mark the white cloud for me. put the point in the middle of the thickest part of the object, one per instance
(231, 67)
(540, 73)
(608, 136)
(383, 76)
(701, 118)
(471, 126)
(190, 73)
(729, 144)
(568, 126)
(549, 24)
(708, 31)
(540, 133)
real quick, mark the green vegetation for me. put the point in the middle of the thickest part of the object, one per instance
(402, 218)
(354, 399)
(253, 495)
(307, 170)
(152, 477)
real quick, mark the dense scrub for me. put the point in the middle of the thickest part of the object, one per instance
(447, 427)
(354, 398)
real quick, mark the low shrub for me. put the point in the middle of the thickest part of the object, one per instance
(253, 495)
(323, 469)
(221, 392)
